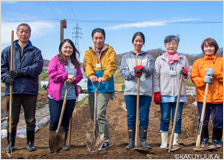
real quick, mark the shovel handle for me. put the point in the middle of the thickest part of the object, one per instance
(202, 117)
(176, 111)
(63, 106)
(137, 114)
(96, 88)
(10, 89)
(95, 108)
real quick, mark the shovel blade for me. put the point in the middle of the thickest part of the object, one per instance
(94, 142)
(211, 147)
(175, 148)
(56, 141)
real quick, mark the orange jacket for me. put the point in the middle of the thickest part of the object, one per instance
(215, 90)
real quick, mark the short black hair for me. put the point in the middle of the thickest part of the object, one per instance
(168, 39)
(24, 24)
(138, 34)
(99, 30)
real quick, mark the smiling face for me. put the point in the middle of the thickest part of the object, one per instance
(67, 49)
(138, 43)
(171, 47)
(98, 40)
(209, 50)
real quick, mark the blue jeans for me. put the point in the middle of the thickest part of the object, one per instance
(144, 106)
(165, 116)
(55, 111)
(216, 110)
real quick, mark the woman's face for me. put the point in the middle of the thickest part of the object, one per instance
(209, 50)
(138, 43)
(171, 47)
(67, 49)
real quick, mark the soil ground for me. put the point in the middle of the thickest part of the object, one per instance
(117, 120)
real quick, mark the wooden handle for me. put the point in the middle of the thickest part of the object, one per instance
(176, 111)
(202, 117)
(137, 114)
(10, 89)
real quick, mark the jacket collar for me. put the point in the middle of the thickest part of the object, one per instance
(210, 58)
(141, 53)
(28, 46)
(105, 46)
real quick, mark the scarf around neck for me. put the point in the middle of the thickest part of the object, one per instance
(172, 58)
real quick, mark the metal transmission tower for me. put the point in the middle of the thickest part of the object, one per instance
(77, 36)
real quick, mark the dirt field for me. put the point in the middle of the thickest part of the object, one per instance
(117, 120)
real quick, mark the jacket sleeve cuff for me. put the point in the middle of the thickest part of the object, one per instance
(65, 76)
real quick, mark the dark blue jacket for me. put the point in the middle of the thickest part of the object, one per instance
(30, 63)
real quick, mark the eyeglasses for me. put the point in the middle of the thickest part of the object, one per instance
(171, 44)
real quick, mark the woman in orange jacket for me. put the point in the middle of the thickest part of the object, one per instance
(209, 69)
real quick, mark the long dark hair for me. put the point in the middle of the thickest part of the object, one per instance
(63, 59)
(138, 34)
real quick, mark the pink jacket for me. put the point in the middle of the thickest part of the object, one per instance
(57, 74)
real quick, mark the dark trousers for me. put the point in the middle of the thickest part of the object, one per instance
(144, 107)
(29, 105)
(216, 110)
(55, 111)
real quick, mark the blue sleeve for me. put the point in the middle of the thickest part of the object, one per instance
(37, 65)
(5, 64)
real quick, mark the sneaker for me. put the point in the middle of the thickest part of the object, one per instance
(65, 148)
(9, 149)
(204, 142)
(217, 143)
(30, 146)
(105, 146)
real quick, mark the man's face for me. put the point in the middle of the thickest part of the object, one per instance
(98, 40)
(23, 34)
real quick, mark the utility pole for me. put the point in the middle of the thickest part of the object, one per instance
(63, 24)
(77, 36)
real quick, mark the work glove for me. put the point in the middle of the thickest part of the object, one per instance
(112, 96)
(157, 98)
(138, 70)
(15, 74)
(210, 71)
(208, 79)
(9, 80)
(184, 71)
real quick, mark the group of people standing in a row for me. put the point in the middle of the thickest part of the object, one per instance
(100, 63)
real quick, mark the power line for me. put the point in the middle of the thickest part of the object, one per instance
(107, 21)
(51, 9)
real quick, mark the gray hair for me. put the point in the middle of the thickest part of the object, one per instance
(24, 24)
(168, 39)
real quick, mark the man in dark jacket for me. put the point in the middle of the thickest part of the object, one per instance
(27, 65)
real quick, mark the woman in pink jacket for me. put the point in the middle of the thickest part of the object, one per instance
(63, 67)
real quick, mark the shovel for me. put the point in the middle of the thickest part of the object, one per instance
(137, 121)
(10, 96)
(198, 146)
(171, 148)
(56, 138)
(94, 139)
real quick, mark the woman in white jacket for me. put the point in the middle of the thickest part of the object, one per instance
(166, 79)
